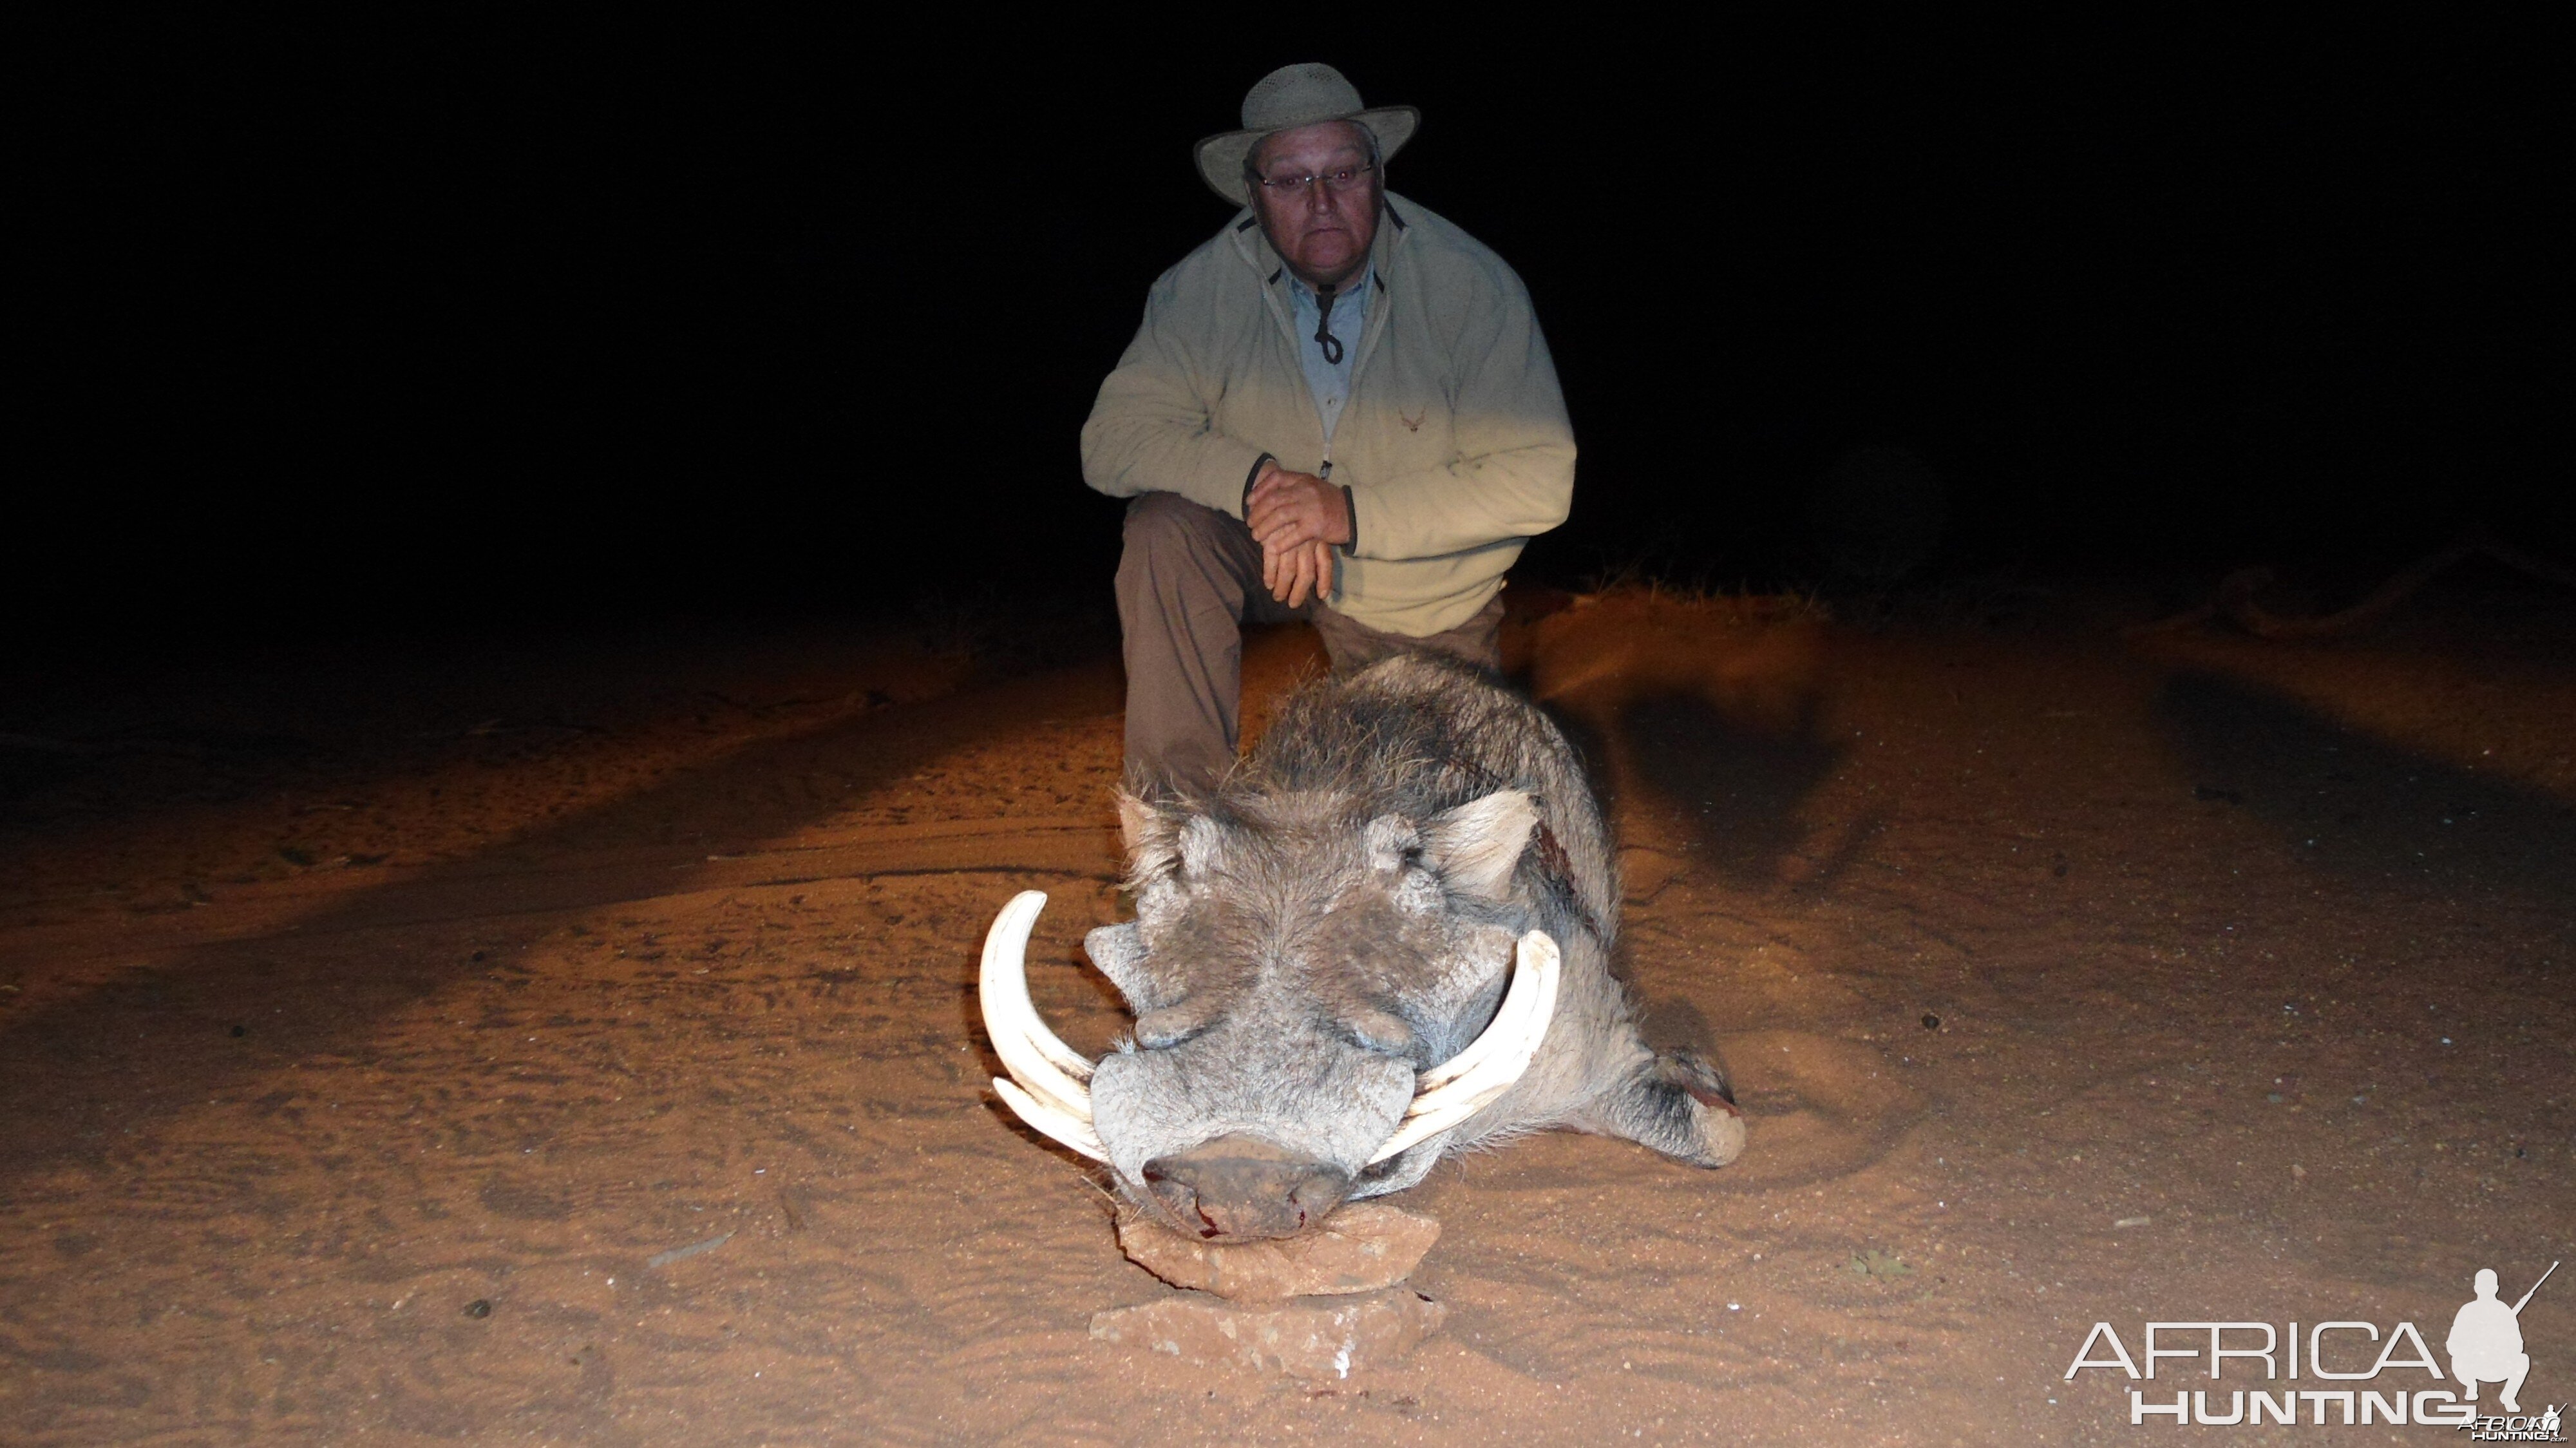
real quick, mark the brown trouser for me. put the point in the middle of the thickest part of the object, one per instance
(1188, 582)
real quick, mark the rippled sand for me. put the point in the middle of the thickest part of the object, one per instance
(586, 1052)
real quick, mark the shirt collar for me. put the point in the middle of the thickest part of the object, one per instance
(1305, 294)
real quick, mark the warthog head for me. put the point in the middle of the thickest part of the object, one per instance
(1317, 991)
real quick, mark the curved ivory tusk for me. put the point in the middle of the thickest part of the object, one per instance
(1418, 1129)
(1050, 1122)
(1512, 1055)
(1047, 1069)
(1502, 1028)
(1515, 1034)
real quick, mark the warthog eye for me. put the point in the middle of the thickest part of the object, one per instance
(1170, 1026)
(1374, 1030)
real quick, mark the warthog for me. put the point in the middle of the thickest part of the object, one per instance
(1383, 938)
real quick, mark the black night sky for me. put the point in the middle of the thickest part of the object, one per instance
(492, 319)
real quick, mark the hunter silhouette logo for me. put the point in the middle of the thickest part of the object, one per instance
(2355, 1387)
(2486, 1341)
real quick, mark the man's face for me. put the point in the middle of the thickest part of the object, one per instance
(1323, 233)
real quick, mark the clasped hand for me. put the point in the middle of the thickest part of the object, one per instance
(1297, 518)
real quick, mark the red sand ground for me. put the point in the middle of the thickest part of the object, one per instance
(335, 1001)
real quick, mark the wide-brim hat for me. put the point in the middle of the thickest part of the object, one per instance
(1289, 97)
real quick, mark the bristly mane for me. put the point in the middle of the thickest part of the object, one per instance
(1417, 736)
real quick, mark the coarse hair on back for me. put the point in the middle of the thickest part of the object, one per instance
(1419, 732)
(1416, 735)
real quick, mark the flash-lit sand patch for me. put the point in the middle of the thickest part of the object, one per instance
(2042, 1006)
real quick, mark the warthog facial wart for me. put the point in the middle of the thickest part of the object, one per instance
(1382, 938)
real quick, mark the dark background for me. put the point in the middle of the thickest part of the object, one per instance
(410, 322)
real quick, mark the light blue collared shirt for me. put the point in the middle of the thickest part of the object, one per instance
(1331, 381)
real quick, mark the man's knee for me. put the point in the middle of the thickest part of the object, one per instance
(1161, 525)
(1179, 559)
(1354, 646)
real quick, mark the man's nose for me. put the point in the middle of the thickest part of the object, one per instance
(1316, 196)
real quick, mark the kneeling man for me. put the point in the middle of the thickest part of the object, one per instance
(1338, 409)
(2486, 1342)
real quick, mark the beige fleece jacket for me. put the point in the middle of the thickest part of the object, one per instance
(1454, 442)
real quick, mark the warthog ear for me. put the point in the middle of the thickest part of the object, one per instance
(1150, 835)
(1159, 843)
(1474, 847)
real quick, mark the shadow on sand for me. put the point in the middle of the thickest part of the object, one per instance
(2372, 811)
(1701, 713)
(212, 1016)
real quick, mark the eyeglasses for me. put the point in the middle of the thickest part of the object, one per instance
(1340, 182)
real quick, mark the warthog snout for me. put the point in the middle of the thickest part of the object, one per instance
(1242, 1187)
